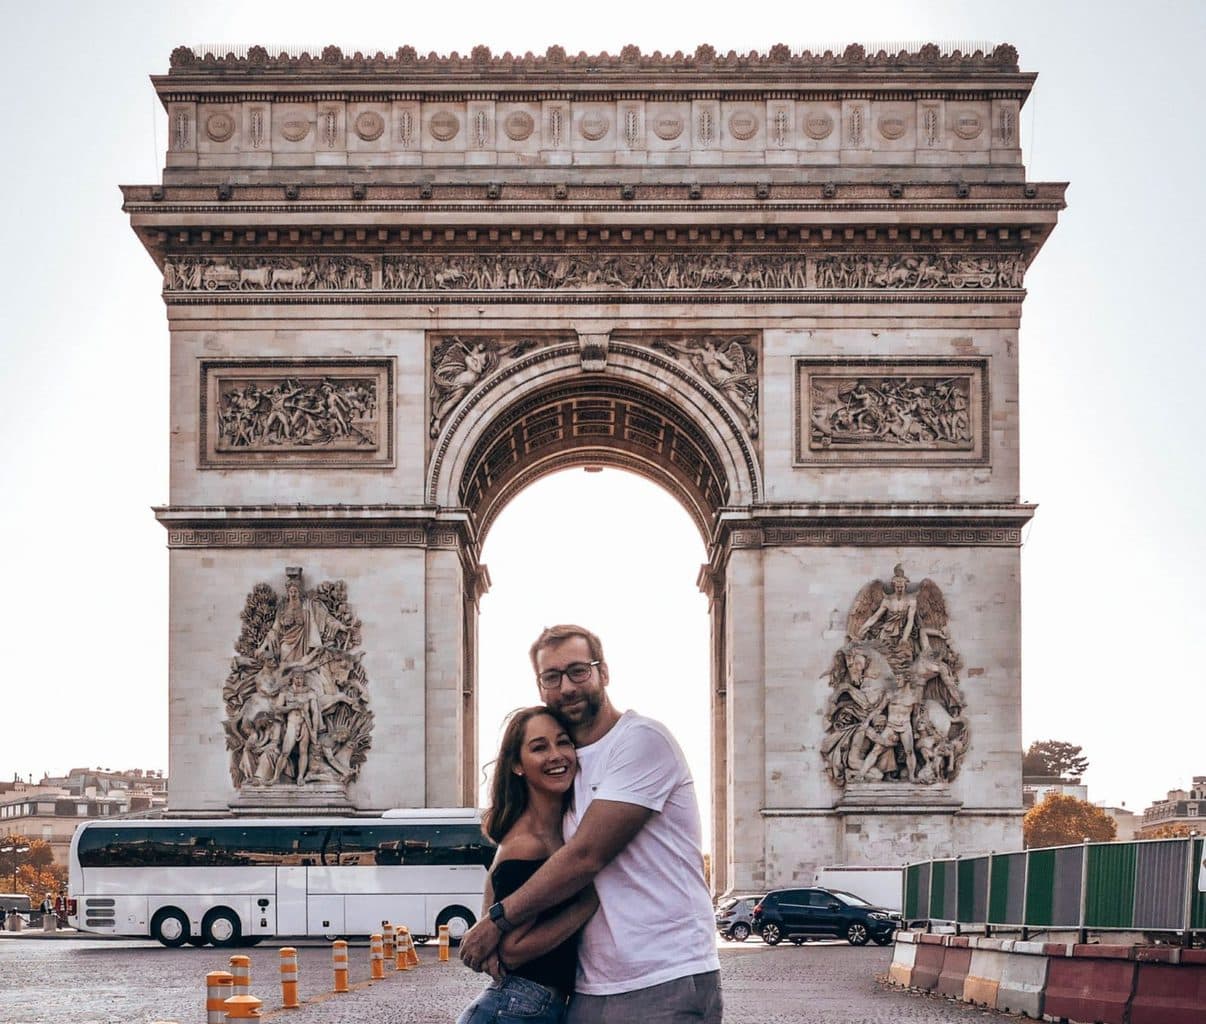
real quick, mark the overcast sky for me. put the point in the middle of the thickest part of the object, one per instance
(1111, 377)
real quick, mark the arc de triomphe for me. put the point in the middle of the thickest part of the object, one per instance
(786, 287)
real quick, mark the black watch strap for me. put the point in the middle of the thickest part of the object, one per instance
(499, 917)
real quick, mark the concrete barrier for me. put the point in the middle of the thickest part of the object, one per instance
(1170, 987)
(955, 964)
(1023, 978)
(984, 974)
(1094, 984)
(904, 955)
(931, 951)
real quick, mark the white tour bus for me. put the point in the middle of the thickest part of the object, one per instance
(233, 882)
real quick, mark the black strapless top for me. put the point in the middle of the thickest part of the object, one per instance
(559, 966)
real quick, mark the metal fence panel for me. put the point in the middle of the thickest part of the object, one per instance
(939, 907)
(912, 897)
(973, 890)
(1039, 887)
(1160, 885)
(1110, 895)
(1069, 866)
(1197, 914)
(950, 891)
(1007, 902)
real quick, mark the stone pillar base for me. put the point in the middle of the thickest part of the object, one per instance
(312, 798)
(895, 798)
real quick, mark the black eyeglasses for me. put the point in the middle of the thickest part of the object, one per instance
(578, 672)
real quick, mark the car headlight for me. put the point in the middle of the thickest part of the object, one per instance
(880, 917)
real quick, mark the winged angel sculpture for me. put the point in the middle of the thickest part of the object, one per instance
(296, 704)
(728, 365)
(458, 366)
(895, 710)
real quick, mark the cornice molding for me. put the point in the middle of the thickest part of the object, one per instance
(482, 65)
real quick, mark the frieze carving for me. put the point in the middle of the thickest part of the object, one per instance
(274, 273)
(295, 130)
(593, 271)
(444, 126)
(923, 270)
(705, 59)
(597, 271)
(324, 413)
(895, 711)
(743, 125)
(920, 413)
(818, 126)
(369, 125)
(180, 129)
(729, 364)
(458, 365)
(705, 128)
(297, 709)
(519, 125)
(220, 126)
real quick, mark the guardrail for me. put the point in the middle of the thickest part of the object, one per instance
(1154, 885)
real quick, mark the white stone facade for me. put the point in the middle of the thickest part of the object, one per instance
(853, 218)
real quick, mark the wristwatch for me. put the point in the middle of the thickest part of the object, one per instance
(499, 917)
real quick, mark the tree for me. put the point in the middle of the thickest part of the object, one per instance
(1054, 759)
(27, 866)
(1061, 820)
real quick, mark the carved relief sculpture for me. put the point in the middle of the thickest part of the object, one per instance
(289, 412)
(895, 710)
(890, 412)
(925, 270)
(297, 413)
(729, 364)
(296, 698)
(459, 365)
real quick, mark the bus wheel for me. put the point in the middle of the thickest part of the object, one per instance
(459, 920)
(170, 927)
(221, 928)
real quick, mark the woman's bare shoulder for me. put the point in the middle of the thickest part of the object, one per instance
(519, 844)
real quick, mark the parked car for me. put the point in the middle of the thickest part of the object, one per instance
(735, 917)
(799, 914)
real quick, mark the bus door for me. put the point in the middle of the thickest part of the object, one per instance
(291, 900)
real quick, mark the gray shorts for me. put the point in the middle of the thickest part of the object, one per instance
(695, 998)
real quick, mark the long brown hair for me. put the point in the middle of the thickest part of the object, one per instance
(508, 791)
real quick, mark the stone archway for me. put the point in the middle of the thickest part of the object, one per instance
(786, 286)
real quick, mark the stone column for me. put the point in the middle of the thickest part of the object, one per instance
(744, 682)
(446, 724)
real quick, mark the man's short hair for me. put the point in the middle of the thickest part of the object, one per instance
(553, 635)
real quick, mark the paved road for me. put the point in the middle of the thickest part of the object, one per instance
(76, 981)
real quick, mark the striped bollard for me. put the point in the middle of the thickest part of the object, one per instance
(240, 967)
(444, 943)
(412, 957)
(218, 988)
(339, 960)
(243, 1008)
(401, 959)
(387, 936)
(376, 956)
(289, 978)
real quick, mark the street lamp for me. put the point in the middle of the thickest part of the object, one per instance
(16, 850)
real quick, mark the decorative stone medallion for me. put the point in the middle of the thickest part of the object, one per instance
(220, 126)
(668, 127)
(519, 125)
(295, 130)
(892, 127)
(370, 126)
(968, 125)
(594, 127)
(818, 126)
(743, 125)
(444, 126)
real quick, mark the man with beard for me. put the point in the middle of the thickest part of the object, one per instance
(634, 831)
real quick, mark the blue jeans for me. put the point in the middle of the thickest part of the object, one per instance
(515, 999)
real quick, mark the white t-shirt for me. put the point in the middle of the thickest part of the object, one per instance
(655, 921)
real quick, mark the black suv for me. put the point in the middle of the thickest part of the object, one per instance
(798, 914)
